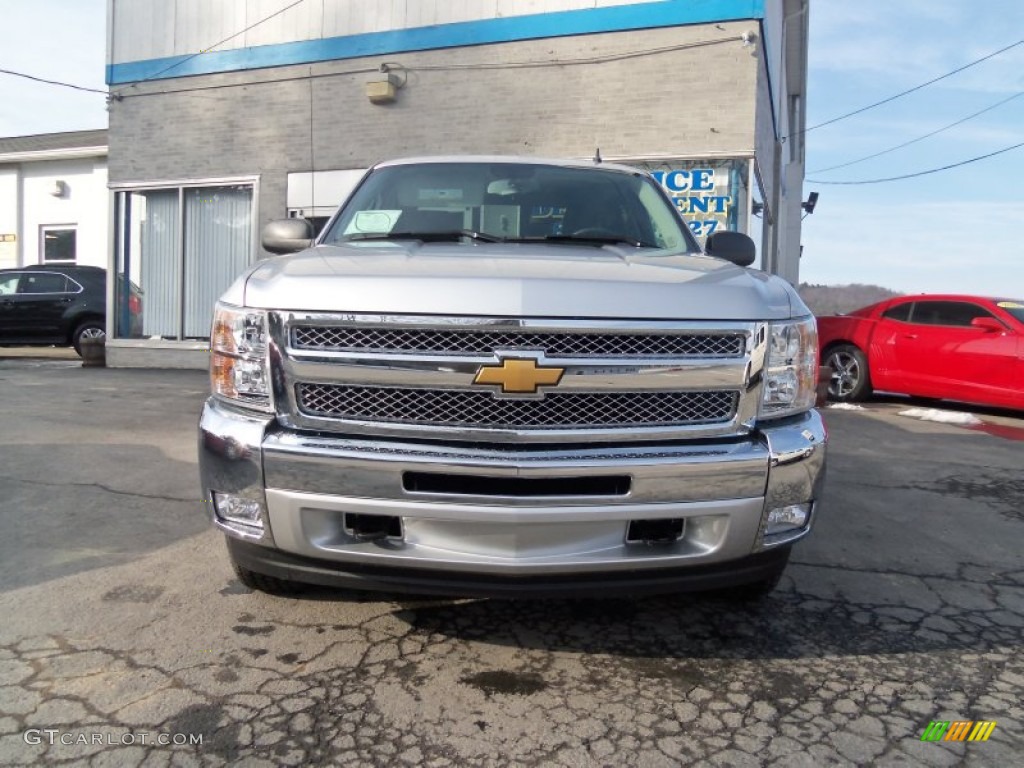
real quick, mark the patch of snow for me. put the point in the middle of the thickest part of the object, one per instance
(845, 407)
(943, 417)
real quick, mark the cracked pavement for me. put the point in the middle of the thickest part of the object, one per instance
(121, 617)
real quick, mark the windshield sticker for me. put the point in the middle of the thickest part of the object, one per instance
(1010, 305)
(440, 194)
(373, 222)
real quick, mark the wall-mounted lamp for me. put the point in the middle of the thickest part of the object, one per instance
(59, 189)
(812, 200)
(384, 89)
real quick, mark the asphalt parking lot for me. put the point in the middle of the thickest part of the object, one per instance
(121, 624)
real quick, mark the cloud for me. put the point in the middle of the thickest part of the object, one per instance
(914, 40)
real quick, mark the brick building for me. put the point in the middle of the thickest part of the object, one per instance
(227, 114)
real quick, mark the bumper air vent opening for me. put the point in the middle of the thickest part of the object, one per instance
(652, 532)
(373, 527)
(520, 487)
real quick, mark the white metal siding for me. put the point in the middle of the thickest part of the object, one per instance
(9, 218)
(153, 29)
(83, 204)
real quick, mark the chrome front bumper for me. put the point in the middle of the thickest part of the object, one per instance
(308, 484)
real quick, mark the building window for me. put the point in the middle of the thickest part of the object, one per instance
(178, 249)
(58, 245)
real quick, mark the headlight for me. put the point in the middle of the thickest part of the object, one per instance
(238, 357)
(791, 368)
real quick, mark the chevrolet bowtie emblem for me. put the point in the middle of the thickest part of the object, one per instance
(522, 376)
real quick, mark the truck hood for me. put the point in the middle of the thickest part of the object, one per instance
(513, 280)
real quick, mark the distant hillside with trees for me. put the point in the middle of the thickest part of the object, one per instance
(840, 299)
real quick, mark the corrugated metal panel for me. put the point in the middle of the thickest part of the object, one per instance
(142, 29)
(218, 246)
(152, 29)
(303, 22)
(466, 10)
(159, 245)
(199, 24)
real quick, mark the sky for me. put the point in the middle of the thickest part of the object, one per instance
(959, 230)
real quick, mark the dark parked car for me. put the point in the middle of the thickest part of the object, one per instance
(51, 304)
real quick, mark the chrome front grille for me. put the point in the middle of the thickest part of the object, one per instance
(418, 377)
(369, 339)
(482, 410)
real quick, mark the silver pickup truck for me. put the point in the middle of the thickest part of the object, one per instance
(506, 376)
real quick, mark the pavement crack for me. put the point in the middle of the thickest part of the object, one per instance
(959, 577)
(101, 486)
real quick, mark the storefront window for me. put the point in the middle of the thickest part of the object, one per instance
(218, 246)
(178, 249)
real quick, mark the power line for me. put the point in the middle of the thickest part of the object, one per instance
(534, 64)
(922, 173)
(219, 43)
(398, 67)
(51, 82)
(196, 89)
(921, 138)
(909, 90)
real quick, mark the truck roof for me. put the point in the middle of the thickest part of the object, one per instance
(516, 159)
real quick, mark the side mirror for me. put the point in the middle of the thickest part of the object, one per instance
(732, 246)
(988, 324)
(287, 236)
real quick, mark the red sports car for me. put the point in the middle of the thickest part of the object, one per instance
(965, 348)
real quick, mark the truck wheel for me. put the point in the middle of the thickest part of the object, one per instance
(263, 583)
(90, 329)
(851, 380)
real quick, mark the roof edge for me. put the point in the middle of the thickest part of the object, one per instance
(41, 155)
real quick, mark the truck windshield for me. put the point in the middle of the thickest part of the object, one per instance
(511, 202)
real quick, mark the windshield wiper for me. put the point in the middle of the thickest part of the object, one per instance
(586, 240)
(453, 235)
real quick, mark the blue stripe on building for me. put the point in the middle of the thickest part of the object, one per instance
(662, 13)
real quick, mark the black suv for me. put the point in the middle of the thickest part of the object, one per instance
(51, 304)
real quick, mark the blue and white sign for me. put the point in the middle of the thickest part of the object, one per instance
(706, 194)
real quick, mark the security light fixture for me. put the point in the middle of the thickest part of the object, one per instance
(381, 91)
(812, 200)
(384, 89)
